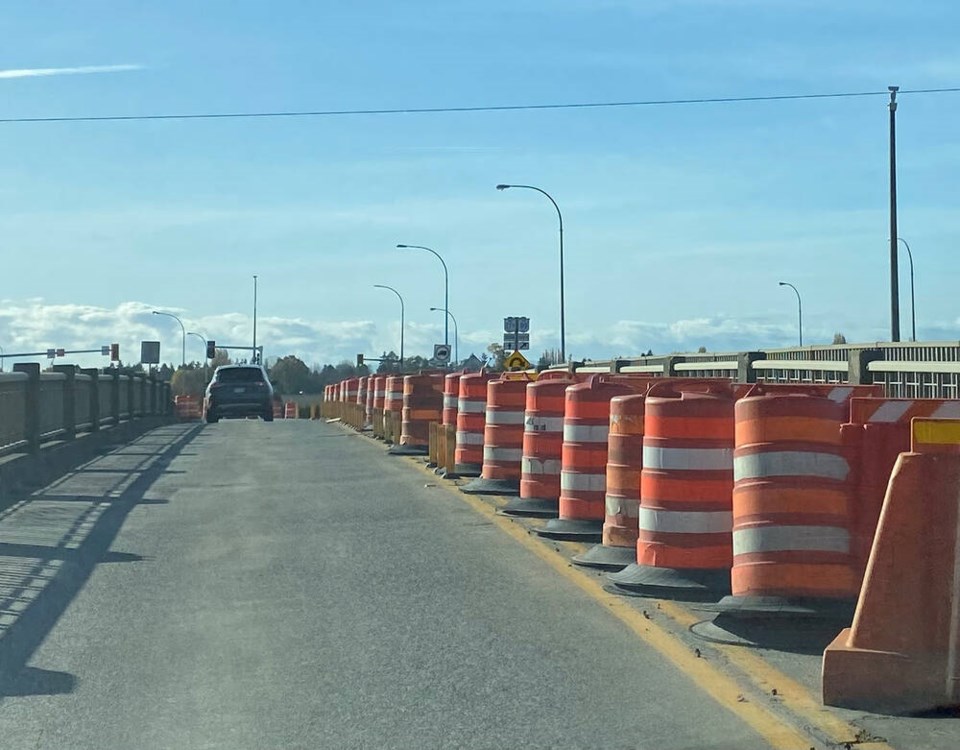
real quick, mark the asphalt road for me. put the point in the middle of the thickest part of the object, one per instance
(288, 585)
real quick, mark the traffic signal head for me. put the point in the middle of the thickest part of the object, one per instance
(114, 352)
(359, 360)
(211, 349)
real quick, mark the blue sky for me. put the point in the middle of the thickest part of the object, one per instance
(679, 220)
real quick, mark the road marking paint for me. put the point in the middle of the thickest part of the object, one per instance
(723, 689)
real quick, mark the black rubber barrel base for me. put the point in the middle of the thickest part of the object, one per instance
(483, 486)
(766, 607)
(607, 558)
(468, 470)
(408, 450)
(692, 585)
(572, 531)
(798, 634)
(532, 507)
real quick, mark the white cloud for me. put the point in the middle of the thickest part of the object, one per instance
(78, 70)
(35, 325)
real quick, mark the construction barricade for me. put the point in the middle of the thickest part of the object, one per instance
(187, 408)
(471, 418)
(900, 654)
(422, 405)
(586, 425)
(502, 439)
(542, 447)
(290, 410)
(881, 426)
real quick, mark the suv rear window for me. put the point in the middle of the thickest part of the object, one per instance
(240, 375)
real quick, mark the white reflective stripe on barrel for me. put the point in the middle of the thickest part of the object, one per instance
(465, 406)
(469, 438)
(533, 465)
(586, 433)
(691, 459)
(790, 464)
(840, 393)
(450, 402)
(686, 522)
(379, 394)
(395, 395)
(891, 411)
(789, 538)
(949, 410)
(504, 417)
(543, 424)
(622, 506)
(491, 453)
(570, 480)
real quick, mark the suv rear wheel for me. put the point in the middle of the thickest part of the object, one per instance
(211, 417)
(268, 414)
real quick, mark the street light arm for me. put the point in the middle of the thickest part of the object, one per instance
(183, 331)
(799, 307)
(399, 297)
(542, 192)
(446, 284)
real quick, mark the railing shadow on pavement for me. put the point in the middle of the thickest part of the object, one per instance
(41, 575)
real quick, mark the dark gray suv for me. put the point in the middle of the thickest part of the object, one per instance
(239, 391)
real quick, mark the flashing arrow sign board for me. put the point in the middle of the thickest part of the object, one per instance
(516, 361)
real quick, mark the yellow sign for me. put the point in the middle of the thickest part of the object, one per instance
(516, 361)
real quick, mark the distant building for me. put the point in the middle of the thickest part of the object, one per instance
(472, 364)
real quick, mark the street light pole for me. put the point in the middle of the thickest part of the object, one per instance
(563, 337)
(446, 287)
(894, 271)
(183, 330)
(255, 319)
(202, 338)
(399, 297)
(456, 332)
(799, 308)
(913, 299)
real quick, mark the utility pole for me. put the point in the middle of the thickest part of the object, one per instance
(894, 266)
(255, 319)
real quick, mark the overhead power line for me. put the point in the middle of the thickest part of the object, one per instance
(479, 108)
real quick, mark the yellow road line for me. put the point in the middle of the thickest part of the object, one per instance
(792, 695)
(723, 689)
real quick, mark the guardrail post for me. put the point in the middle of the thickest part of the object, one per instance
(131, 384)
(31, 411)
(69, 399)
(745, 371)
(167, 399)
(144, 398)
(114, 396)
(152, 392)
(94, 375)
(857, 373)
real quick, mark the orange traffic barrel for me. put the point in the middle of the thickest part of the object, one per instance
(187, 408)
(277, 409)
(368, 407)
(393, 398)
(379, 391)
(583, 459)
(471, 417)
(451, 396)
(542, 443)
(422, 404)
(684, 539)
(792, 508)
(622, 501)
(348, 392)
(502, 439)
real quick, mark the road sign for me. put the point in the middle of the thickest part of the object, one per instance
(516, 361)
(51, 353)
(150, 352)
(516, 324)
(516, 341)
(105, 350)
(441, 352)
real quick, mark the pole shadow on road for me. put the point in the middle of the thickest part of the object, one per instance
(51, 543)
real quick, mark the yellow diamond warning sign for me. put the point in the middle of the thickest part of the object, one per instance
(516, 361)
